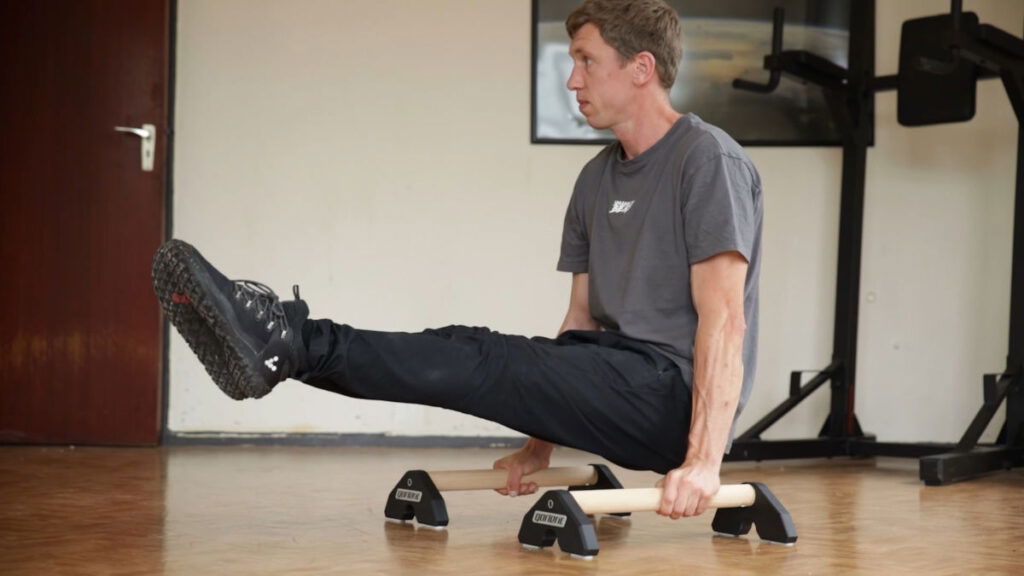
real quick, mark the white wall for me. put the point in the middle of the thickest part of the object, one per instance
(377, 153)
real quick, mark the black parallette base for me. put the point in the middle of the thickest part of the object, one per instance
(767, 515)
(415, 496)
(557, 517)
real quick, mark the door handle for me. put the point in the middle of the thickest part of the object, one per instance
(148, 135)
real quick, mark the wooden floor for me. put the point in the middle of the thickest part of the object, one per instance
(274, 510)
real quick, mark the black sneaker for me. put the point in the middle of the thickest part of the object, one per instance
(245, 337)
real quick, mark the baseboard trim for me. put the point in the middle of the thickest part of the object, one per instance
(324, 439)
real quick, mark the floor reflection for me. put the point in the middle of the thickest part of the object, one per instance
(415, 546)
(64, 508)
(612, 528)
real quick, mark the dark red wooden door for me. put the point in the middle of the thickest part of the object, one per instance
(80, 330)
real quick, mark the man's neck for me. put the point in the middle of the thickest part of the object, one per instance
(649, 124)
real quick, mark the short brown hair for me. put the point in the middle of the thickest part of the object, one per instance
(632, 27)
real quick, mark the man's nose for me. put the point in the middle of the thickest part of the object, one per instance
(573, 83)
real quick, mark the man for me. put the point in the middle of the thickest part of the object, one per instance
(656, 352)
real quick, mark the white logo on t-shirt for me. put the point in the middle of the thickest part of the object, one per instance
(621, 207)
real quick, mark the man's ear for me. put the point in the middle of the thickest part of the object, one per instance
(645, 68)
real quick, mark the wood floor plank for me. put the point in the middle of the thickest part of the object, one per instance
(292, 510)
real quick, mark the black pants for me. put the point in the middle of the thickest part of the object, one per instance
(596, 391)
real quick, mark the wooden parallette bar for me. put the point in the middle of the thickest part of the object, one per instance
(418, 493)
(451, 480)
(649, 499)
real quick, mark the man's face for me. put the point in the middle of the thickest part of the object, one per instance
(601, 81)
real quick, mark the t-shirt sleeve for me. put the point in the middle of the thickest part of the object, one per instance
(575, 253)
(719, 208)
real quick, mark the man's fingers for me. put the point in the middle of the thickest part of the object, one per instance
(679, 506)
(702, 505)
(686, 503)
(669, 493)
(512, 484)
(686, 492)
(696, 504)
(691, 503)
(527, 488)
(680, 497)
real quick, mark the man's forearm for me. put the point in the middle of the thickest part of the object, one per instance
(718, 379)
(578, 316)
(718, 287)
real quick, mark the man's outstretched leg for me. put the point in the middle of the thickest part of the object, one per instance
(596, 391)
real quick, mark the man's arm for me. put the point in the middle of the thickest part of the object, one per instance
(578, 317)
(717, 286)
(536, 454)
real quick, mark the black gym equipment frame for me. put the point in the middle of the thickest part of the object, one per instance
(850, 93)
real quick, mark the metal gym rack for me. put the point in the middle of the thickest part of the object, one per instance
(941, 59)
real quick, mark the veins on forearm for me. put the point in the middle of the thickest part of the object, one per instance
(718, 377)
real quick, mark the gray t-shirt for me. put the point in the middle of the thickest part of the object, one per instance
(636, 226)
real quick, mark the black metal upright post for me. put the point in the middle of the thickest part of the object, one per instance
(860, 108)
(1014, 432)
(850, 93)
